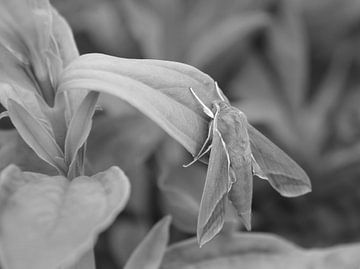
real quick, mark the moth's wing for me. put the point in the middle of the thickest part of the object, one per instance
(213, 201)
(283, 173)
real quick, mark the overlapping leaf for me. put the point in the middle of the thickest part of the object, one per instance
(159, 89)
(50, 221)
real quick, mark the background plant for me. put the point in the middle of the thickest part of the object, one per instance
(304, 111)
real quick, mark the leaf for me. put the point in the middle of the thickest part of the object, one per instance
(50, 221)
(159, 89)
(110, 137)
(231, 32)
(13, 150)
(284, 174)
(235, 250)
(79, 128)
(36, 136)
(150, 252)
(212, 205)
(287, 47)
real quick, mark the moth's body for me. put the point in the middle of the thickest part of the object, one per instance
(232, 124)
(237, 151)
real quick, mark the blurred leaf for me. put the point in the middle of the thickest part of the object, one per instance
(125, 235)
(150, 252)
(13, 150)
(235, 249)
(159, 89)
(207, 34)
(58, 219)
(181, 188)
(220, 39)
(86, 261)
(287, 46)
(257, 250)
(126, 141)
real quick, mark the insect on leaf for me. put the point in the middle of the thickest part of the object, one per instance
(284, 174)
(232, 164)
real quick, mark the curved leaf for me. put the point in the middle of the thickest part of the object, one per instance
(159, 89)
(150, 252)
(50, 221)
(36, 136)
(235, 250)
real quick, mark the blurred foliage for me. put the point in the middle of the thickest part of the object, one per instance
(291, 66)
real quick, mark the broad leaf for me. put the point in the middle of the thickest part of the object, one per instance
(13, 150)
(150, 252)
(234, 250)
(50, 221)
(159, 89)
(257, 251)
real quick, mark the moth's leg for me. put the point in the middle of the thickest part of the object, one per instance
(223, 144)
(202, 151)
(199, 156)
(256, 170)
(206, 110)
(228, 159)
(219, 92)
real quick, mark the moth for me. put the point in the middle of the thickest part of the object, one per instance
(237, 152)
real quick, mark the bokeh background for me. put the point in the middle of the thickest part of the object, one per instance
(291, 65)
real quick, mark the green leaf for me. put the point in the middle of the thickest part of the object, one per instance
(36, 136)
(110, 137)
(231, 32)
(79, 128)
(257, 251)
(159, 89)
(287, 47)
(150, 252)
(234, 250)
(13, 150)
(49, 221)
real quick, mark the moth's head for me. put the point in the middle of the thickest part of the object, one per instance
(218, 106)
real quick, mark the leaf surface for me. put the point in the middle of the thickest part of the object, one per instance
(159, 89)
(235, 250)
(50, 221)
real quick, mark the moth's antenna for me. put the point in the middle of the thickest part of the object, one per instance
(206, 110)
(219, 92)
